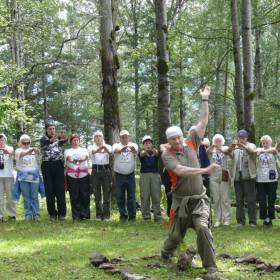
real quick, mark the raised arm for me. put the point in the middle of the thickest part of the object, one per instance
(204, 112)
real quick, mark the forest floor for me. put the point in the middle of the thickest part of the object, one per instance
(60, 249)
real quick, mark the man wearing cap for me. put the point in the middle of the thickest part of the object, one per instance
(101, 175)
(190, 204)
(124, 165)
(244, 175)
(150, 181)
(53, 171)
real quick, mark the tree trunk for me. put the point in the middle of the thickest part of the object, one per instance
(248, 78)
(277, 62)
(110, 64)
(238, 85)
(135, 43)
(225, 100)
(162, 67)
(16, 42)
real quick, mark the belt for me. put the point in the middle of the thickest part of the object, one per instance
(99, 167)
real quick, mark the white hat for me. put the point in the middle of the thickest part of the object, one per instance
(205, 142)
(173, 131)
(124, 132)
(4, 136)
(98, 132)
(147, 137)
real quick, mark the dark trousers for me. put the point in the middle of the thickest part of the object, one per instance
(245, 191)
(167, 184)
(126, 184)
(102, 185)
(53, 174)
(79, 197)
(267, 198)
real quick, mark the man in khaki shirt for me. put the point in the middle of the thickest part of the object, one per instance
(190, 204)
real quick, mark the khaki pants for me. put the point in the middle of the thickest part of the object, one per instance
(200, 223)
(150, 189)
(220, 194)
(6, 185)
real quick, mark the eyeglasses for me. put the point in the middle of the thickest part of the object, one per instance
(25, 143)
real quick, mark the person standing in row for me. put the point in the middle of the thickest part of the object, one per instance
(244, 174)
(28, 181)
(150, 181)
(267, 179)
(220, 180)
(77, 177)
(101, 175)
(53, 171)
(6, 179)
(124, 166)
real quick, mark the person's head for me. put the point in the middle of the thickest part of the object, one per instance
(147, 143)
(218, 140)
(266, 141)
(24, 141)
(98, 137)
(242, 136)
(174, 137)
(124, 137)
(75, 140)
(50, 129)
(3, 140)
(205, 142)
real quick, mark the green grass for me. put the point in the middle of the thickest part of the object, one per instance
(60, 250)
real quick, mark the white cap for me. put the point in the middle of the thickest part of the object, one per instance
(124, 132)
(147, 137)
(173, 131)
(98, 132)
(205, 142)
(4, 136)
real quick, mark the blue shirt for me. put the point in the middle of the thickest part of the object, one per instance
(149, 164)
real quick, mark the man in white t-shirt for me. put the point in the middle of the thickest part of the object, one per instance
(6, 179)
(101, 175)
(124, 165)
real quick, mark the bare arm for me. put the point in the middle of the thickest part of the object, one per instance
(204, 112)
(185, 171)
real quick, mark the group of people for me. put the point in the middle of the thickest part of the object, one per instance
(195, 170)
(68, 170)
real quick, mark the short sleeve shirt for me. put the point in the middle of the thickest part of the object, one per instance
(185, 185)
(267, 170)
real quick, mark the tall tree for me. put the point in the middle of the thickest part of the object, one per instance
(248, 71)
(110, 65)
(162, 67)
(238, 85)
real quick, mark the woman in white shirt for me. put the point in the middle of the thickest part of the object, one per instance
(101, 175)
(267, 179)
(6, 179)
(28, 177)
(220, 180)
(78, 179)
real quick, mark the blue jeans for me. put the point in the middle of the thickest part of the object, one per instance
(29, 192)
(126, 184)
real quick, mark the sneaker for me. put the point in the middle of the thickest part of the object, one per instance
(267, 222)
(217, 224)
(226, 223)
(12, 218)
(98, 219)
(36, 218)
(53, 217)
(61, 218)
(106, 219)
(252, 224)
(240, 225)
(165, 256)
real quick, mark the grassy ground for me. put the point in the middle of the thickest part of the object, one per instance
(60, 250)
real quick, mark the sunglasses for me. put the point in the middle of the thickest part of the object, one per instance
(25, 143)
